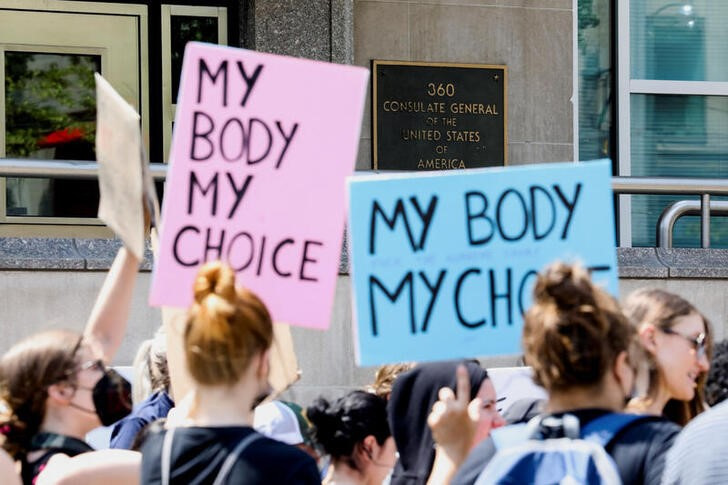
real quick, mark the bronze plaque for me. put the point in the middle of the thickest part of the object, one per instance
(435, 116)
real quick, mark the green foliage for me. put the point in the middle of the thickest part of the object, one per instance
(47, 93)
(586, 19)
(586, 16)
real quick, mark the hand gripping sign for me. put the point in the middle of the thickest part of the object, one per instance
(443, 264)
(261, 148)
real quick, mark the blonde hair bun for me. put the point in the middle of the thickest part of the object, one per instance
(215, 278)
(226, 326)
(574, 330)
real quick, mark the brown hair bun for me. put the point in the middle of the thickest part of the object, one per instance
(217, 279)
(565, 285)
(574, 331)
(226, 327)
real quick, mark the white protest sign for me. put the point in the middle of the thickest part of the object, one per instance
(119, 154)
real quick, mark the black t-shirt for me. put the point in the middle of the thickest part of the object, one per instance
(198, 453)
(638, 450)
(52, 444)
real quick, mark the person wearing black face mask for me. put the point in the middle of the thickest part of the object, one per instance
(55, 386)
(111, 394)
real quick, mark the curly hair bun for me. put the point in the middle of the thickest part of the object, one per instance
(338, 427)
(574, 330)
(329, 429)
(565, 285)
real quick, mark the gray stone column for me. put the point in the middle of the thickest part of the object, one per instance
(314, 29)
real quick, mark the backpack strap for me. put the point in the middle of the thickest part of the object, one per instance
(515, 434)
(603, 429)
(511, 435)
(229, 462)
(167, 456)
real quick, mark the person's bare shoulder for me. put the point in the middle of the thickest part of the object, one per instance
(104, 467)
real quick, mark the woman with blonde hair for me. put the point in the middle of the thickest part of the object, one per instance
(150, 392)
(227, 339)
(677, 340)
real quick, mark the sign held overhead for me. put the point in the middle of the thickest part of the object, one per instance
(260, 152)
(443, 265)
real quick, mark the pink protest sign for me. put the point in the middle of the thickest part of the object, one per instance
(261, 147)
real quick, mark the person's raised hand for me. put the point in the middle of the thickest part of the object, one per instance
(454, 419)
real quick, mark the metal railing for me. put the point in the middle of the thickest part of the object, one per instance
(72, 169)
(668, 218)
(704, 187)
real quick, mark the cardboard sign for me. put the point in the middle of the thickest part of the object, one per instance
(261, 148)
(443, 265)
(121, 172)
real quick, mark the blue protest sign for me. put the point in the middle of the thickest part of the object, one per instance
(443, 264)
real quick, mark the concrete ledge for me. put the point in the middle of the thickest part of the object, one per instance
(672, 263)
(62, 254)
(98, 254)
(344, 258)
(640, 263)
(32, 253)
(695, 263)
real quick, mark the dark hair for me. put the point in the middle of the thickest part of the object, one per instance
(340, 426)
(226, 327)
(716, 385)
(662, 308)
(27, 370)
(574, 330)
(413, 394)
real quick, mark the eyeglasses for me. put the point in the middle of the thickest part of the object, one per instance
(96, 364)
(698, 343)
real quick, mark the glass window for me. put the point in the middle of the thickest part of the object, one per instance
(673, 106)
(50, 113)
(595, 79)
(679, 41)
(186, 29)
(676, 136)
(182, 24)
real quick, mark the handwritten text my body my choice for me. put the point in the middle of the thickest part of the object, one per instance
(528, 216)
(236, 145)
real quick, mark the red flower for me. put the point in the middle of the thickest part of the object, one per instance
(59, 137)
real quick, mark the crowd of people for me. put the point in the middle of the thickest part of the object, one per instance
(629, 389)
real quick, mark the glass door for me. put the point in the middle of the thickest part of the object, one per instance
(48, 103)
